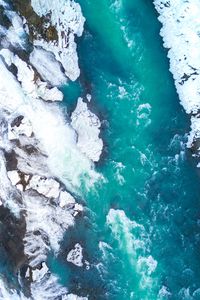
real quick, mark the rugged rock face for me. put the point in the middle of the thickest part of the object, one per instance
(52, 27)
(12, 232)
(42, 156)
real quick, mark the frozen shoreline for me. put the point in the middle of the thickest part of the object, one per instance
(180, 33)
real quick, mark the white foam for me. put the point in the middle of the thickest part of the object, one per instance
(146, 266)
(58, 139)
(119, 170)
(15, 34)
(45, 226)
(53, 151)
(163, 293)
(46, 222)
(9, 294)
(143, 114)
(132, 240)
(48, 288)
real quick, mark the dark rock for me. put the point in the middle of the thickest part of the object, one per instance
(35, 22)
(12, 231)
(11, 161)
(17, 121)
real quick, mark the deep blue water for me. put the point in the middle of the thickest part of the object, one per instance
(147, 246)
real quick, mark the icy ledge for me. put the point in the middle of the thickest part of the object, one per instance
(180, 32)
(66, 17)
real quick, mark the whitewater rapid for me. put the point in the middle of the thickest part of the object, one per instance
(133, 241)
(45, 155)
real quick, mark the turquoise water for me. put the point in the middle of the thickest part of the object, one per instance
(141, 232)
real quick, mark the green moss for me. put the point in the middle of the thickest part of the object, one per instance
(35, 22)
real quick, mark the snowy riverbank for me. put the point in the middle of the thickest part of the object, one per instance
(43, 157)
(180, 33)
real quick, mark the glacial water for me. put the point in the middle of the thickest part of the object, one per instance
(141, 231)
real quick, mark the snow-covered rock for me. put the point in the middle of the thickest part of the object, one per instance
(15, 35)
(13, 176)
(180, 32)
(24, 127)
(38, 143)
(64, 15)
(18, 179)
(195, 131)
(47, 66)
(53, 94)
(65, 199)
(48, 187)
(78, 207)
(67, 18)
(37, 274)
(46, 224)
(26, 75)
(87, 126)
(75, 256)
